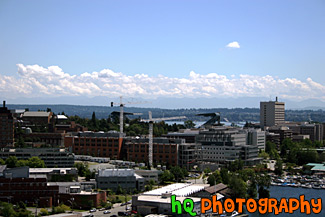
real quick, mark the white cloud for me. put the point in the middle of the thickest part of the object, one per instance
(233, 44)
(37, 81)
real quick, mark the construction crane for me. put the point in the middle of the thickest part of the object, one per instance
(121, 104)
(215, 117)
(151, 121)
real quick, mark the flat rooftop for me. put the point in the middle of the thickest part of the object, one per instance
(178, 189)
(159, 199)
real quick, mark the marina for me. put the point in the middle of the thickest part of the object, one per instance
(295, 181)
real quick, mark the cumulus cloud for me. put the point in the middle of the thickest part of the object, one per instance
(233, 44)
(38, 81)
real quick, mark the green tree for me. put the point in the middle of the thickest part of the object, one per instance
(178, 173)
(7, 210)
(278, 168)
(207, 170)
(269, 146)
(224, 176)
(238, 187)
(211, 180)
(252, 189)
(82, 168)
(119, 190)
(189, 124)
(264, 155)
(166, 176)
(217, 176)
(44, 212)
(22, 163)
(11, 161)
(94, 121)
(236, 165)
(20, 143)
(36, 162)
(263, 182)
(2, 162)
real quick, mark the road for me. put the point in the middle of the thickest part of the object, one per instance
(116, 208)
(197, 181)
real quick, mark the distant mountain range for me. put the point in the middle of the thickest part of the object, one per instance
(174, 103)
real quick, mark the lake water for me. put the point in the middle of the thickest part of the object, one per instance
(199, 123)
(279, 192)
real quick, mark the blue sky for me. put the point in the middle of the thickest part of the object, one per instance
(281, 39)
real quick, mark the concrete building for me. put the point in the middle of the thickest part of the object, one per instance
(54, 174)
(96, 144)
(52, 157)
(299, 138)
(149, 175)
(271, 113)
(255, 137)
(222, 145)
(187, 154)
(6, 127)
(315, 131)
(273, 137)
(165, 151)
(126, 178)
(283, 131)
(187, 134)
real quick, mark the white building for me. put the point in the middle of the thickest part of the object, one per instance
(222, 145)
(158, 201)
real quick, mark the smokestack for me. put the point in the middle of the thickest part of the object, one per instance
(276, 99)
(4, 103)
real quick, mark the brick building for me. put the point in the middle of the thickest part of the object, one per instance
(6, 126)
(17, 185)
(53, 139)
(83, 200)
(68, 127)
(37, 118)
(98, 144)
(165, 151)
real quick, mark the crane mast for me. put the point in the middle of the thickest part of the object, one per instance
(151, 121)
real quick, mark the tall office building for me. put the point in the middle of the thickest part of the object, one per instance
(6, 126)
(271, 113)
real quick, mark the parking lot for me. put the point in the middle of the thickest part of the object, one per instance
(116, 208)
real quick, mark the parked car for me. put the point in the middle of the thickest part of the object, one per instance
(134, 212)
(124, 213)
(107, 212)
(93, 210)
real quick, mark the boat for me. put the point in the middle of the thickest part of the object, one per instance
(234, 213)
(316, 186)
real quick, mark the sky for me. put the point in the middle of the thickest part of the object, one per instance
(162, 48)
